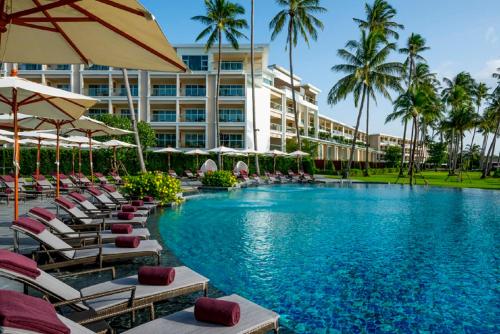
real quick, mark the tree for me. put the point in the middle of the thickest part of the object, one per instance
(415, 45)
(378, 22)
(480, 94)
(146, 133)
(437, 153)
(298, 16)
(367, 72)
(252, 70)
(493, 111)
(308, 146)
(392, 156)
(221, 18)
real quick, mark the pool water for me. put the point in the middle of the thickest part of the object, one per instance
(362, 259)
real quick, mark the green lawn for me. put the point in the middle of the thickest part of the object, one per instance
(436, 179)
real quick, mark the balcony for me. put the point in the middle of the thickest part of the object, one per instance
(164, 90)
(276, 106)
(194, 91)
(134, 90)
(164, 117)
(96, 91)
(290, 110)
(97, 68)
(231, 66)
(60, 67)
(276, 127)
(231, 90)
(30, 67)
(310, 100)
(291, 129)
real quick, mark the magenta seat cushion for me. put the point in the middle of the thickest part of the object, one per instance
(18, 263)
(127, 242)
(217, 311)
(43, 213)
(30, 224)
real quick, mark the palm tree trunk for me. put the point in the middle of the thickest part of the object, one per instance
(142, 165)
(367, 164)
(414, 144)
(403, 147)
(353, 146)
(411, 143)
(252, 70)
(491, 152)
(483, 150)
(461, 164)
(295, 112)
(217, 88)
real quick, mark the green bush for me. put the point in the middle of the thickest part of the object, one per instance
(219, 178)
(496, 173)
(162, 187)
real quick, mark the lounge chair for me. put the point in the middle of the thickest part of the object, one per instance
(111, 298)
(189, 174)
(101, 178)
(118, 198)
(116, 178)
(81, 180)
(81, 217)
(305, 177)
(8, 183)
(64, 231)
(294, 177)
(200, 174)
(271, 178)
(65, 182)
(281, 177)
(172, 173)
(52, 245)
(104, 201)
(253, 319)
(91, 209)
(42, 185)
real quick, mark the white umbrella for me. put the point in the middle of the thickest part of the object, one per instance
(220, 151)
(6, 140)
(197, 152)
(81, 142)
(115, 144)
(251, 151)
(274, 154)
(30, 98)
(299, 155)
(169, 151)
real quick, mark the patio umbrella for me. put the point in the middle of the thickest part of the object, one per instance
(19, 95)
(299, 155)
(220, 151)
(70, 31)
(249, 152)
(6, 140)
(274, 154)
(114, 144)
(81, 142)
(169, 151)
(197, 152)
(235, 154)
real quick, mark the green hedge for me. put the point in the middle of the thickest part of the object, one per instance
(219, 178)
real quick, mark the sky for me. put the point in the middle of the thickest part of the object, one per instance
(464, 35)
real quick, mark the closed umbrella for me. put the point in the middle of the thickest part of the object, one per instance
(197, 152)
(274, 154)
(19, 95)
(169, 151)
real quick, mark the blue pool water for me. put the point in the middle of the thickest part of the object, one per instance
(365, 259)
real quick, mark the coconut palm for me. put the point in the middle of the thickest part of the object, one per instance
(480, 94)
(493, 114)
(379, 19)
(222, 19)
(415, 45)
(252, 70)
(298, 17)
(367, 72)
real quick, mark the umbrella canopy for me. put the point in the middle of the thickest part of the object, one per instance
(251, 151)
(82, 140)
(168, 150)
(58, 32)
(197, 151)
(276, 153)
(222, 149)
(298, 154)
(117, 143)
(6, 140)
(6, 133)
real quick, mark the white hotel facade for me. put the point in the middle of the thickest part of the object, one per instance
(181, 107)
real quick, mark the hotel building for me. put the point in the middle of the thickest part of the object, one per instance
(181, 107)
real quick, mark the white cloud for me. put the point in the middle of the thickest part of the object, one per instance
(488, 69)
(491, 35)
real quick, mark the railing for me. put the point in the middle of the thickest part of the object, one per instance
(96, 91)
(231, 90)
(30, 67)
(134, 90)
(291, 129)
(290, 110)
(276, 106)
(310, 100)
(231, 118)
(194, 91)
(163, 117)
(276, 127)
(231, 66)
(97, 68)
(60, 67)
(166, 90)
(275, 147)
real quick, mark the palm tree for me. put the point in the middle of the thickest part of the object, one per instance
(367, 72)
(379, 19)
(415, 45)
(252, 70)
(480, 94)
(493, 112)
(221, 18)
(298, 16)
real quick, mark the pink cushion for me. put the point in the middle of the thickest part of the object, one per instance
(121, 228)
(18, 263)
(30, 224)
(65, 202)
(20, 311)
(43, 213)
(129, 208)
(127, 242)
(148, 199)
(125, 215)
(7, 178)
(40, 177)
(108, 188)
(94, 191)
(138, 202)
(98, 175)
(79, 197)
(217, 311)
(149, 275)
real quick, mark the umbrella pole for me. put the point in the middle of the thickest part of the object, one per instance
(57, 158)
(168, 161)
(38, 157)
(73, 160)
(90, 158)
(197, 163)
(79, 158)
(274, 165)
(115, 161)
(16, 155)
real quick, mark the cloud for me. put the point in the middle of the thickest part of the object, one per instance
(488, 69)
(491, 35)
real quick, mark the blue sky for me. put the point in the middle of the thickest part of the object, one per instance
(462, 34)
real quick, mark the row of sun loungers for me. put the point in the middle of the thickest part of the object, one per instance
(96, 226)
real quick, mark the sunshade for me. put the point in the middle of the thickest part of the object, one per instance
(274, 154)
(114, 144)
(19, 95)
(298, 154)
(197, 152)
(6, 140)
(169, 151)
(80, 31)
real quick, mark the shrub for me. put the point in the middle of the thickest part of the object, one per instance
(219, 178)
(162, 187)
(496, 174)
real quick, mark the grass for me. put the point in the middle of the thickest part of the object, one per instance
(438, 179)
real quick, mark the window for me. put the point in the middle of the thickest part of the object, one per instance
(195, 140)
(98, 90)
(164, 90)
(231, 115)
(231, 90)
(194, 115)
(233, 140)
(268, 81)
(231, 65)
(196, 63)
(62, 67)
(134, 90)
(66, 87)
(195, 90)
(166, 140)
(97, 68)
(126, 113)
(30, 67)
(94, 112)
(163, 116)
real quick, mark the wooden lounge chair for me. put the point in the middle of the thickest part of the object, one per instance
(172, 173)
(101, 178)
(111, 298)
(8, 184)
(65, 182)
(81, 217)
(118, 198)
(189, 174)
(253, 319)
(200, 174)
(43, 186)
(61, 254)
(116, 178)
(271, 178)
(58, 227)
(103, 200)
(81, 180)
(89, 208)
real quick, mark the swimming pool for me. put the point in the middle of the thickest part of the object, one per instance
(359, 259)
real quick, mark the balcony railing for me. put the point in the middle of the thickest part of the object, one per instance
(291, 129)
(97, 68)
(164, 91)
(194, 91)
(134, 90)
(30, 67)
(310, 100)
(276, 127)
(276, 106)
(163, 118)
(289, 110)
(231, 91)
(96, 91)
